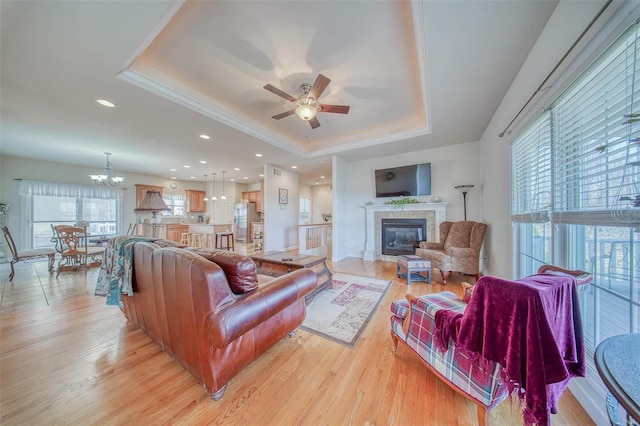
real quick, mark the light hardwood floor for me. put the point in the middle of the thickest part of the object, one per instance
(67, 358)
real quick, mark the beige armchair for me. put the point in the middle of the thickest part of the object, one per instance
(458, 249)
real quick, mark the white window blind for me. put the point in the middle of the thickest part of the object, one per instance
(593, 149)
(585, 149)
(531, 173)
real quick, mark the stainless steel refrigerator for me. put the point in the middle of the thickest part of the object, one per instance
(244, 214)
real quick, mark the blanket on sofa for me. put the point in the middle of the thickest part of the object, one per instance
(116, 272)
(532, 328)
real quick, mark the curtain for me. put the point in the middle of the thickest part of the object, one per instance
(55, 189)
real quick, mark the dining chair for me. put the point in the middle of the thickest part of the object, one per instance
(75, 252)
(18, 256)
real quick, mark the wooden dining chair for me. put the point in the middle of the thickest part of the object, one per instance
(18, 256)
(75, 252)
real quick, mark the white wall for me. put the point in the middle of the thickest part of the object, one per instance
(564, 26)
(280, 220)
(321, 202)
(13, 168)
(342, 220)
(304, 191)
(450, 166)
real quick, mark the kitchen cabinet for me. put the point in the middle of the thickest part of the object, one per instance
(174, 231)
(195, 201)
(253, 197)
(141, 191)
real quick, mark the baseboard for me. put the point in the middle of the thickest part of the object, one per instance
(591, 393)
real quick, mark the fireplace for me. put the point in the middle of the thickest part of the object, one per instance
(401, 236)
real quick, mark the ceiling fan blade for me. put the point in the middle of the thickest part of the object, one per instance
(340, 109)
(280, 93)
(318, 87)
(284, 114)
(314, 122)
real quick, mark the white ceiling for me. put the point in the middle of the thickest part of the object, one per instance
(415, 74)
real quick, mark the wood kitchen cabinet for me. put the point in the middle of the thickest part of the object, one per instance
(195, 201)
(253, 197)
(174, 231)
(141, 191)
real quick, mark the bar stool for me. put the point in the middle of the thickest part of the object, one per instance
(196, 240)
(228, 236)
(208, 240)
(257, 241)
(185, 238)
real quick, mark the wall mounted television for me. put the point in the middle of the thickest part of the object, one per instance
(403, 181)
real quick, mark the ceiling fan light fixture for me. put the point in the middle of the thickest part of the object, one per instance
(306, 112)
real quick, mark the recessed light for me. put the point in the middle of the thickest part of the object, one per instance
(105, 103)
(187, 167)
(261, 175)
(236, 169)
(203, 162)
(173, 177)
(205, 137)
(321, 177)
(258, 155)
(317, 183)
(245, 177)
(193, 177)
(232, 180)
(294, 167)
(172, 170)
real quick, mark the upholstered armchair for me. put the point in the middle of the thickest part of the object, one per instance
(458, 249)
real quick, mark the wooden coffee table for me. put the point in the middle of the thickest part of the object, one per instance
(272, 263)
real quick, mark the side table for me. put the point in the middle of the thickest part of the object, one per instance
(618, 361)
(413, 265)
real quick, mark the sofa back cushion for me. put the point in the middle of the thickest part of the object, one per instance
(239, 269)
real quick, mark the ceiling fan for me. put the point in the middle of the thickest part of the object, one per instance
(307, 102)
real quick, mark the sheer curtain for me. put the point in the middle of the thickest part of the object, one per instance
(27, 189)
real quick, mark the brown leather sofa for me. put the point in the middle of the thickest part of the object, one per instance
(205, 309)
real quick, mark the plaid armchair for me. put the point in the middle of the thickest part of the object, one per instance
(458, 249)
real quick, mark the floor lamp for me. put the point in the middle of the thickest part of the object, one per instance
(464, 189)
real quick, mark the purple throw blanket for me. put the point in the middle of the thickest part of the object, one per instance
(531, 327)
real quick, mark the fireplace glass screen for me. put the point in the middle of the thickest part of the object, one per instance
(401, 236)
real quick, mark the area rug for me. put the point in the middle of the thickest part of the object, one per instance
(341, 313)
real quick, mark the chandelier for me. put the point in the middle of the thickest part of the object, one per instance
(107, 177)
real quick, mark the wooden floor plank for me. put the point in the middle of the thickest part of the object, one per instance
(67, 358)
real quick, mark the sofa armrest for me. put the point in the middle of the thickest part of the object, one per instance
(431, 246)
(462, 252)
(253, 308)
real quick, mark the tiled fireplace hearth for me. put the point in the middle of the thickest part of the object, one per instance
(434, 213)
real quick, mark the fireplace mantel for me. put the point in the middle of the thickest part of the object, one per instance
(376, 212)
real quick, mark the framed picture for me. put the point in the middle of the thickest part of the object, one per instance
(283, 196)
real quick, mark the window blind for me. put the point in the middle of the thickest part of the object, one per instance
(531, 173)
(593, 149)
(579, 162)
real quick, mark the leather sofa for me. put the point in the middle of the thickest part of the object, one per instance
(206, 310)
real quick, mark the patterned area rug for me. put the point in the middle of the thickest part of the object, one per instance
(342, 312)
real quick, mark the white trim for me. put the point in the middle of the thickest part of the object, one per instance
(591, 393)
(420, 35)
(167, 15)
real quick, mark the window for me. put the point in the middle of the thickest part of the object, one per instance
(49, 203)
(50, 210)
(576, 189)
(176, 201)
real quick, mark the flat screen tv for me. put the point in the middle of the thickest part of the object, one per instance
(404, 181)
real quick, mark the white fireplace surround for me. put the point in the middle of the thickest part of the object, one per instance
(435, 213)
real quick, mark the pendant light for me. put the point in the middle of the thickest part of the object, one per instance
(222, 197)
(214, 198)
(205, 188)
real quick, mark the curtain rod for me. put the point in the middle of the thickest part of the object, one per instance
(540, 88)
